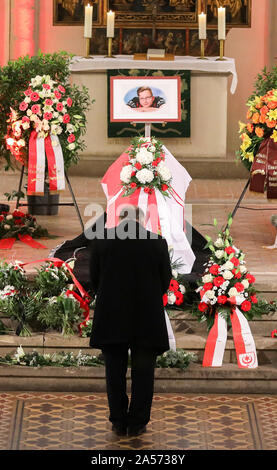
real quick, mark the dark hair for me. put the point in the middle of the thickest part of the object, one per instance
(144, 88)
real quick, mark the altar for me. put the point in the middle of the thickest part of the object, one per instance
(208, 106)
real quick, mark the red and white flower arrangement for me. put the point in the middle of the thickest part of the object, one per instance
(175, 294)
(13, 224)
(146, 167)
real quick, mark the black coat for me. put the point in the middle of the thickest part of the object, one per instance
(129, 278)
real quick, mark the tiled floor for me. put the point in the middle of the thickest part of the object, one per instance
(78, 421)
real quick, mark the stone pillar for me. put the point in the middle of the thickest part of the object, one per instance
(5, 32)
(24, 28)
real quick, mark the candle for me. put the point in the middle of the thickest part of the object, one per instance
(88, 21)
(110, 24)
(221, 23)
(202, 26)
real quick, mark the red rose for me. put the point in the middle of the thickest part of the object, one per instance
(202, 306)
(46, 86)
(208, 286)
(254, 299)
(34, 96)
(69, 102)
(18, 222)
(133, 173)
(246, 306)
(179, 298)
(133, 185)
(214, 269)
(250, 278)
(66, 118)
(146, 189)
(1, 218)
(174, 285)
(235, 261)
(164, 187)
(237, 275)
(222, 299)
(239, 286)
(71, 138)
(138, 166)
(218, 281)
(165, 299)
(229, 250)
(17, 213)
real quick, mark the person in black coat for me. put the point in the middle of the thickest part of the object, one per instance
(129, 272)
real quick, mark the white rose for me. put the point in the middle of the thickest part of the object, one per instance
(29, 112)
(7, 227)
(219, 254)
(69, 127)
(242, 269)
(144, 176)
(228, 275)
(71, 146)
(210, 294)
(233, 292)
(245, 283)
(228, 265)
(182, 288)
(171, 298)
(207, 278)
(9, 217)
(219, 243)
(27, 99)
(59, 131)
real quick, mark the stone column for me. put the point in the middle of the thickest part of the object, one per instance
(5, 32)
(24, 28)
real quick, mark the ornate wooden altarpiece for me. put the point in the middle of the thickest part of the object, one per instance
(167, 24)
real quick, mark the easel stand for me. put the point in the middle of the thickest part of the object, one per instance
(74, 203)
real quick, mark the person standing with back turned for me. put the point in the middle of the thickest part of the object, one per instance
(129, 272)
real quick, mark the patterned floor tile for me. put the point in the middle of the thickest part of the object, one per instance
(78, 421)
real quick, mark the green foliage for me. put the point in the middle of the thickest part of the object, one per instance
(265, 81)
(50, 280)
(178, 359)
(61, 315)
(86, 329)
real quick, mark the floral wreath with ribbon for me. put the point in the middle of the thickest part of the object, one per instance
(47, 122)
(146, 168)
(17, 225)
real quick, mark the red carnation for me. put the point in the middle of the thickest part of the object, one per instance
(138, 166)
(165, 299)
(69, 102)
(164, 187)
(48, 102)
(59, 107)
(179, 298)
(1, 218)
(46, 86)
(250, 278)
(158, 160)
(71, 138)
(133, 185)
(254, 299)
(61, 88)
(239, 286)
(23, 106)
(66, 118)
(202, 306)
(34, 96)
(57, 94)
(218, 281)
(229, 250)
(147, 189)
(235, 261)
(246, 306)
(236, 274)
(35, 109)
(18, 222)
(222, 299)
(28, 92)
(47, 116)
(214, 269)
(17, 213)
(133, 173)
(155, 163)
(208, 286)
(174, 285)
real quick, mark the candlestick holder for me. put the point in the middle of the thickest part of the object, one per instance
(202, 45)
(87, 49)
(110, 47)
(221, 49)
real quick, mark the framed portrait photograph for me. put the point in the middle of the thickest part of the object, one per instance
(145, 99)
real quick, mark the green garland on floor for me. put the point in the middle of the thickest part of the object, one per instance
(170, 359)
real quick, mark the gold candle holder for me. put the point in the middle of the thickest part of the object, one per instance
(202, 45)
(87, 49)
(110, 47)
(221, 49)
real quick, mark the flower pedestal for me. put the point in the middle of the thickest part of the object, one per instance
(48, 204)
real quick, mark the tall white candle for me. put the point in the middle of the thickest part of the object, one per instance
(88, 21)
(110, 24)
(221, 23)
(202, 26)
